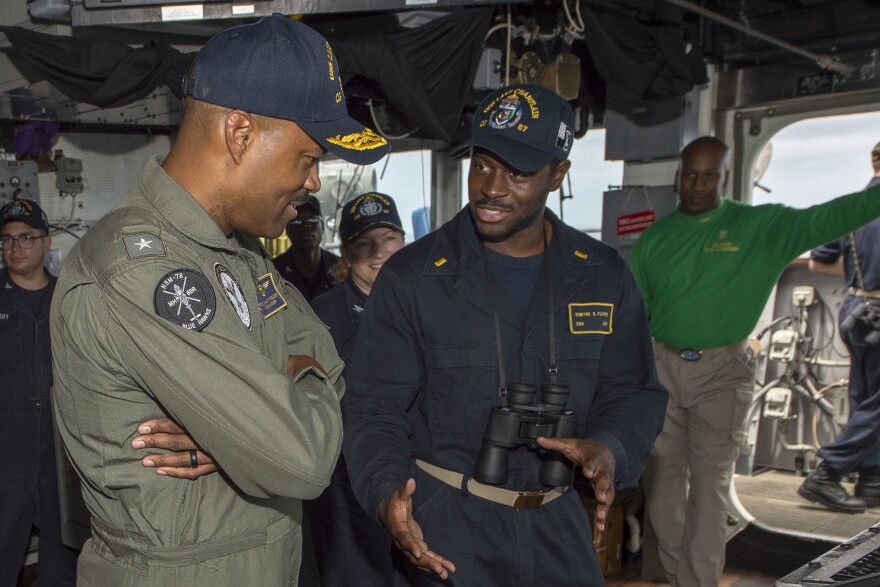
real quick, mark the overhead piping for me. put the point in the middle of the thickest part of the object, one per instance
(823, 61)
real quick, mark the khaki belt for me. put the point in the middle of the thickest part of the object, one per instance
(870, 293)
(518, 500)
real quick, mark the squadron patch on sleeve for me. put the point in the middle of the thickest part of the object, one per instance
(185, 297)
(233, 293)
(269, 299)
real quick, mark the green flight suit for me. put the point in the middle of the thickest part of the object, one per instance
(158, 312)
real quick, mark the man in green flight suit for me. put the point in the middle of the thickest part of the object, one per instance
(170, 306)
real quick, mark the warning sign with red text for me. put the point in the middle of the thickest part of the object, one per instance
(634, 223)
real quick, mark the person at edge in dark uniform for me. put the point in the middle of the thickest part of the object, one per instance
(28, 474)
(857, 447)
(427, 369)
(305, 264)
(350, 547)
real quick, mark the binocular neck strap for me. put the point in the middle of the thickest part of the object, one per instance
(855, 257)
(499, 349)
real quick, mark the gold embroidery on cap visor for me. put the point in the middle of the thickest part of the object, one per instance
(359, 141)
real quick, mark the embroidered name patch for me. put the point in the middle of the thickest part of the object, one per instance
(233, 293)
(269, 299)
(185, 297)
(590, 318)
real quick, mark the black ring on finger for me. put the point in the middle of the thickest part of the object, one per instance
(193, 459)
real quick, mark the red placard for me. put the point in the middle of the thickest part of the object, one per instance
(633, 223)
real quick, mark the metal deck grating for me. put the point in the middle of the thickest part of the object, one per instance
(771, 497)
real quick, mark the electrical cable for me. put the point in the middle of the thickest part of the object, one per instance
(507, 60)
(379, 128)
(574, 26)
(61, 229)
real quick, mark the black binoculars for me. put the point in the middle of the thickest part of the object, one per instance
(869, 314)
(520, 424)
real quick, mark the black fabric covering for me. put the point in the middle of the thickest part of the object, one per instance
(424, 73)
(103, 73)
(640, 46)
(421, 77)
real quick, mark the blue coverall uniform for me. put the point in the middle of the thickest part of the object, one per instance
(351, 548)
(309, 287)
(28, 475)
(857, 447)
(424, 377)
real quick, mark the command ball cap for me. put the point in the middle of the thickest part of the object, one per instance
(26, 211)
(525, 125)
(368, 211)
(281, 68)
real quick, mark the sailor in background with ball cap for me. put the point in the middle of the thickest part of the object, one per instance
(350, 547)
(169, 305)
(503, 292)
(28, 470)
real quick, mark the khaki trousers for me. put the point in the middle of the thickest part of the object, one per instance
(687, 476)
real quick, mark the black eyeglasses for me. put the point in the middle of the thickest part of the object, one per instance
(25, 241)
(302, 221)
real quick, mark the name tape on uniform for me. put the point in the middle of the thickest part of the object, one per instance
(269, 299)
(590, 318)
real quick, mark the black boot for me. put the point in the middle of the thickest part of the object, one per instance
(823, 486)
(868, 488)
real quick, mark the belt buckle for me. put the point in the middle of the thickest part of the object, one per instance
(528, 500)
(691, 355)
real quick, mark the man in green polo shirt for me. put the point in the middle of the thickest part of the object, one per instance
(705, 272)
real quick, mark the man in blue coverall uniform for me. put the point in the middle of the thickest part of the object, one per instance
(857, 447)
(425, 373)
(28, 477)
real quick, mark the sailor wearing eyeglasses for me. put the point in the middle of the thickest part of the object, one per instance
(28, 480)
(305, 264)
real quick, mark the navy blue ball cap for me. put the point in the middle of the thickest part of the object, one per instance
(26, 211)
(314, 203)
(281, 68)
(369, 210)
(525, 125)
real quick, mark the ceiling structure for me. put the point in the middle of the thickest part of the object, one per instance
(546, 38)
(831, 27)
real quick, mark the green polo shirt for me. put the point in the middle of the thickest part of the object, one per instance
(706, 278)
